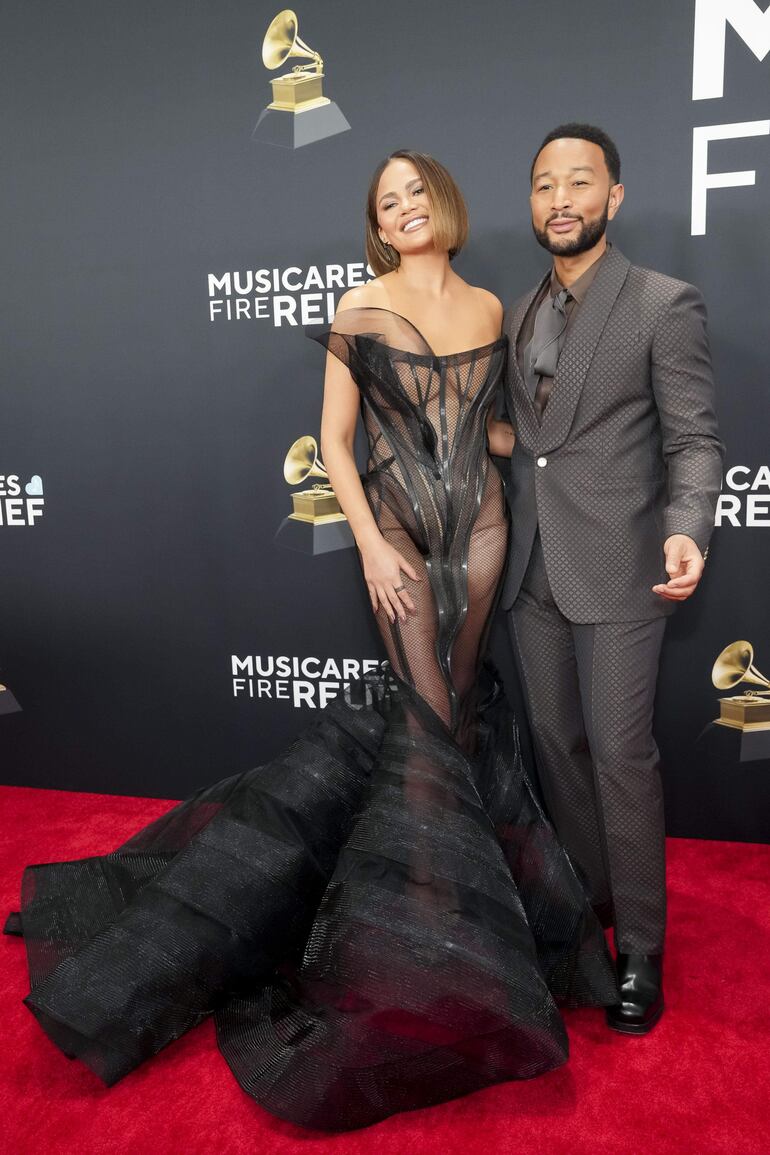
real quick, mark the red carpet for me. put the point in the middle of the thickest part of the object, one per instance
(698, 1085)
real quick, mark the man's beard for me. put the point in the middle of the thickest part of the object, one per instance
(590, 234)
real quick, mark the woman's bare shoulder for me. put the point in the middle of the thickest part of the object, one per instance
(363, 296)
(490, 303)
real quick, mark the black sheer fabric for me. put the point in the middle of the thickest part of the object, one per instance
(381, 918)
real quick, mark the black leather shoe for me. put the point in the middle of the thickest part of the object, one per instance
(640, 978)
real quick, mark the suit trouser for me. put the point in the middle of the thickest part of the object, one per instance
(591, 691)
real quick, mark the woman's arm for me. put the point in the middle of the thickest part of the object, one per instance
(382, 564)
(500, 436)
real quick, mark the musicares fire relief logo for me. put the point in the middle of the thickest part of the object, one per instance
(21, 503)
(305, 682)
(290, 296)
(747, 500)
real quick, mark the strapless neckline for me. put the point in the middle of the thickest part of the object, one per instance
(425, 356)
(443, 356)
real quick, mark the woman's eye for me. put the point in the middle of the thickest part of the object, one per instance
(392, 204)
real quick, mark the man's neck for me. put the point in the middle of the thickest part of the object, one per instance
(571, 269)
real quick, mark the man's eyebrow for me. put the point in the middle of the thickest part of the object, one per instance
(409, 183)
(577, 168)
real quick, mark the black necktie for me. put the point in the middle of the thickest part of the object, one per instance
(543, 352)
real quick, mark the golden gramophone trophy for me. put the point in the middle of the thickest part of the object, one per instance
(316, 523)
(299, 113)
(750, 710)
(741, 733)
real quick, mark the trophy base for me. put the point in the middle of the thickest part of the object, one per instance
(314, 537)
(746, 711)
(296, 129)
(8, 704)
(735, 743)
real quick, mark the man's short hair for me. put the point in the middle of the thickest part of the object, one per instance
(584, 132)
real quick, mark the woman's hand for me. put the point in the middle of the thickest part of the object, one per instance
(384, 568)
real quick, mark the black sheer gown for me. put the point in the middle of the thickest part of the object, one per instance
(381, 918)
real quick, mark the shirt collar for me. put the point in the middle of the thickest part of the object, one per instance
(581, 286)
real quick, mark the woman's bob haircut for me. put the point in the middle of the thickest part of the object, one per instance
(448, 212)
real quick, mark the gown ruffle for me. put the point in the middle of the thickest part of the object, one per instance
(382, 917)
(376, 921)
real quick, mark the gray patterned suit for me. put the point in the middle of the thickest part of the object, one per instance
(627, 454)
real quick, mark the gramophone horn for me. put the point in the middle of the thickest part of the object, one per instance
(302, 462)
(736, 664)
(281, 41)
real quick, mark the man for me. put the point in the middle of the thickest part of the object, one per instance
(615, 475)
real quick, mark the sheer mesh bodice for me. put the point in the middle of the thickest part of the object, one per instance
(434, 495)
(381, 918)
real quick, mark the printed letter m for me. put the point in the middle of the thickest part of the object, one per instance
(711, 20)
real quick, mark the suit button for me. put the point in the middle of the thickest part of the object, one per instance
(542, 461)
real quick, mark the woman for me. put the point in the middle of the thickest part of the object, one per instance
(431, 561)
(381, 918)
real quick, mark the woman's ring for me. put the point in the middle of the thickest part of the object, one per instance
(398, 589)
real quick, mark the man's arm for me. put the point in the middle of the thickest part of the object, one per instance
(683, 385)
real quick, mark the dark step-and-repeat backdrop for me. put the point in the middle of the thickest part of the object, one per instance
(166, 237)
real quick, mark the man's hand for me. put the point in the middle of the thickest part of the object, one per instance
(684, 566)
(500, 437)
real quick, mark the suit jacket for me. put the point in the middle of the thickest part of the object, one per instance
(628, 452)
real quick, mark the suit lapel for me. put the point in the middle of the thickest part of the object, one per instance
(579, 349)
(519, 401)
